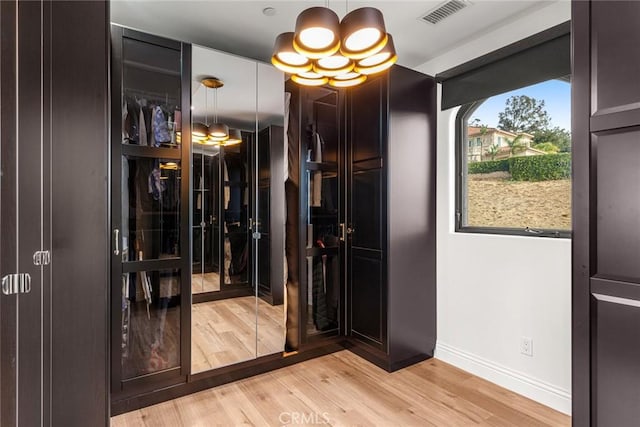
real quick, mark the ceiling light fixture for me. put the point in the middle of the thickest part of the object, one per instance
(317, 33)
(235, 137)
(199, 131)
(334, 49)
(363, 33)
(333, 65)
(347, 80)
(310, 79)
(286, 58)
(217, 131)
(380, 61)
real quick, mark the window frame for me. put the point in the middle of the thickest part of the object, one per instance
(461, 162)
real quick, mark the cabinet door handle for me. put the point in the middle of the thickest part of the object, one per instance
(116, 234)
(342, 232)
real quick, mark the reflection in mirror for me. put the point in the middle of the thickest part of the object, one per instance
(238, 211)
(224, 303)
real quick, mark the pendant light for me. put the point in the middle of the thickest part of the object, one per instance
(333, 65)
(363, 33)
(379, 62)
(235, 137)
(199, 131)
(217, 131)
(286, 58)
(324, 50)
(347, 80)
(310, 79)
(317, 33)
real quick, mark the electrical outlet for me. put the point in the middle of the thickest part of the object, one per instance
(526, 346)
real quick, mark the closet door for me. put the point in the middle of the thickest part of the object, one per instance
(23, 156)
(366, 194)
(53, 213)
(321, 208)
(606, 244)
(151, 262)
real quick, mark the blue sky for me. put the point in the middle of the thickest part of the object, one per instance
(555, 93)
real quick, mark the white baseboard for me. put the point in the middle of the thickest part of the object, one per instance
(547, 394)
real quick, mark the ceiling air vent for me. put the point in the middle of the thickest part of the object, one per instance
(445, 10)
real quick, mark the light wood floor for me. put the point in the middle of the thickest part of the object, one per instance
(347, 390)
(207, 282)
(224, 331)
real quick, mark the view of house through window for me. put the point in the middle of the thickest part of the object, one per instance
(517, 160)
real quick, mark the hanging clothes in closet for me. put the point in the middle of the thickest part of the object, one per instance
(151, 123)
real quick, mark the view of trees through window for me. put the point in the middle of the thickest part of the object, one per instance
(518, 160)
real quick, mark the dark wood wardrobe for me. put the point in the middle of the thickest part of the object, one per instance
(391, 199)
(54, 213)
(367, 235)
(606, 209)
(150, 244)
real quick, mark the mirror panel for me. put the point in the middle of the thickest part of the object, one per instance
(223, 298)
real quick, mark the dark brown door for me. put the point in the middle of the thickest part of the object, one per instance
(366, 189)
(53, 213)
(22, 212)
(606, 267)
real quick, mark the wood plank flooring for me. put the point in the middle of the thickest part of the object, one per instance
(224, 331)
(342, 389)
(207, 282)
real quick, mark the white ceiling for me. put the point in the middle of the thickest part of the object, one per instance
(241, 27)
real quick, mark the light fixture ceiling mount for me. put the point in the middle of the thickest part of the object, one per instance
(324, 50)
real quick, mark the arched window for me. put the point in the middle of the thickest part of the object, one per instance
(517, 180)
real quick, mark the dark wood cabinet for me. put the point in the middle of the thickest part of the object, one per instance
(391, 289)
(366, 217)
(54, 198)
(150, 209)
(606, 208)
(376, 241)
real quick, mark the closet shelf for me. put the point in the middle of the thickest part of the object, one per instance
(154, 152)
(151, 68)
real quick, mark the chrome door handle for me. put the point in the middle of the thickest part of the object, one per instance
(116, 233)
(42, 258)
(19, 283)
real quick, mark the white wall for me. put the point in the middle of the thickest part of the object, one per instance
(492, 290)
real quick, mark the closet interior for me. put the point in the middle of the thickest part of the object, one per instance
(250, 219)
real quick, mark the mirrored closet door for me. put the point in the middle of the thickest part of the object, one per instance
(237, 311)
(271, 159)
